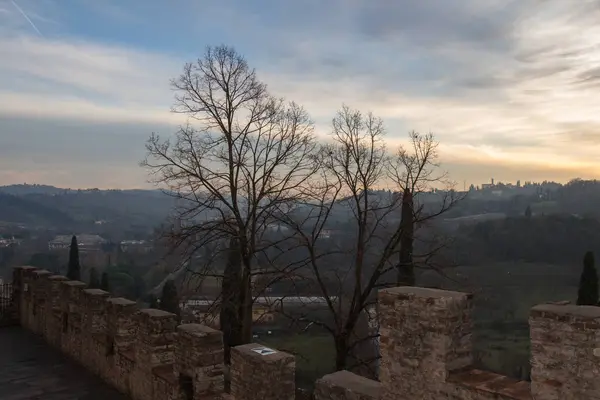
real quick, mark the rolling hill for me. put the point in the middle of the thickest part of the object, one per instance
(43, 205)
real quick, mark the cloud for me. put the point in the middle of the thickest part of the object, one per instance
(504, 84)
(523, 80)
(97, 71)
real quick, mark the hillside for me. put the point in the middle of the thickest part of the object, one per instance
(42, 205)
(19, 210)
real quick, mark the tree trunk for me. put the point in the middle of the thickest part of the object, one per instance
(406, 272)
(230, 321)
(341, 352)
(246, 308)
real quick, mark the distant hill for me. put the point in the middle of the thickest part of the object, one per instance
(15, 209)
(24, 189)
(49, 205)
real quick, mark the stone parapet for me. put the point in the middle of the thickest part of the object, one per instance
(140, 352)
(425, 342)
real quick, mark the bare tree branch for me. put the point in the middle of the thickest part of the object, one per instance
(347, 195)
(242, 155)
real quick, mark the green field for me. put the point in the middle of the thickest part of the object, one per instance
(315, 354)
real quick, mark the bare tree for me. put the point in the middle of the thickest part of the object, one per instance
(242, 155)
(347, 197)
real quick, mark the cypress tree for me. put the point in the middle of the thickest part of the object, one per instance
(104, 282)
(94, 279)
(588, 283)
(169, 301)
(406, 271)
(153, 301)
(74, 269)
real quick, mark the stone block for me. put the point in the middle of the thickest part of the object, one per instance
(165, 385)
(122, 369)
(93, 329)
(155, 338)
(425, 334)
(565, 351)
(39, 291)
(261, 373)
(25, 275)
(154, 347)
(199, 361)
(472, 383)
(344, 385)
(120, 336)
(71, 297)
(54, 316)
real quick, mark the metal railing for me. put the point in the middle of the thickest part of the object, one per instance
(7, 306)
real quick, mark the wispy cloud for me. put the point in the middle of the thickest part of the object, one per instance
(35, 28)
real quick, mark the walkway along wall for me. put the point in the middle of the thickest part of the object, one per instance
(425, 349)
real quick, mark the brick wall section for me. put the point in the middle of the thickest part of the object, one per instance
(199, 360)
(344, 385)
(565, 352)
(261, 377)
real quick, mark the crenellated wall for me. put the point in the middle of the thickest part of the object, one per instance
(143, 352)
(425, 349)
(426, 353)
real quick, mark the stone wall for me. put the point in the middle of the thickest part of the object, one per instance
(143, 353)
(425, 349)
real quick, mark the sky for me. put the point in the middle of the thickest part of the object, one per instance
(509, 88)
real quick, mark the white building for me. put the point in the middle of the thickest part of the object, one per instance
(84, 242)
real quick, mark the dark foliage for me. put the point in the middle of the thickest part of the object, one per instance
(169, 300)
(74, 268)
(553, 239)
(104, 283)
(94, 279)
(153, 301)
(587, 294)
